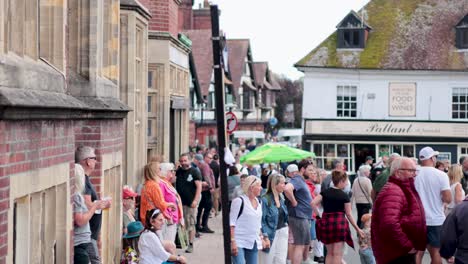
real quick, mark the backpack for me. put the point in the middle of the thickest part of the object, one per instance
(242, 206)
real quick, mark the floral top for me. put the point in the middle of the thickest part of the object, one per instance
(129, 256)
(365, 242)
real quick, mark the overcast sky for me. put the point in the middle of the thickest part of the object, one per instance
(282, 32)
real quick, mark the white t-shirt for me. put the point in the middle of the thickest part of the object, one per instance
(151, 249)
(429, 183)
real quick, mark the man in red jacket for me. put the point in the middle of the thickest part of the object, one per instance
(398, 222)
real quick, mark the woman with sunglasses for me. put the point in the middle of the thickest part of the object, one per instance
(152, 249)
(275, 221)
(245, 220)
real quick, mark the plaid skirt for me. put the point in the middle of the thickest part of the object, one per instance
(333, 228)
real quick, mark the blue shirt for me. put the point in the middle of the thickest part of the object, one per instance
(303, 198)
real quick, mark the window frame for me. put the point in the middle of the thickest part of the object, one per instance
(346, 112)
(462, 102)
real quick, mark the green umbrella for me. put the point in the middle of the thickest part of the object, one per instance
(272, 152)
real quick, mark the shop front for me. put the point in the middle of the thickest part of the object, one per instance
(354, 140)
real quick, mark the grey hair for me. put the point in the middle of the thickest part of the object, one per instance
(83, 152)
(364, 168)
(335, 162)
(396, 165)
(79, 179)
(165, 168)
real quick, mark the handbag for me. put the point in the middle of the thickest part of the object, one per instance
(365, 193)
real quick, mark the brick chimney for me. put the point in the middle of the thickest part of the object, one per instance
(186, 15)
(164, 16)
(202, 16)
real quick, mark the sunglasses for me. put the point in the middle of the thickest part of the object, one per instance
(93, 158)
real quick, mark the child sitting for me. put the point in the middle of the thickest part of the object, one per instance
(365, 247)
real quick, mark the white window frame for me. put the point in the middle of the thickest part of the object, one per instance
(346, 112)
(391, 149)
(326, 159)
(460, 92)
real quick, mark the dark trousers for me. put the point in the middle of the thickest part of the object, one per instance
(81, 254)
(406, 259)
(362, 209)
(206, 203)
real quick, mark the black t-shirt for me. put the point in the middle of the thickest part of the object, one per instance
(185, 184)
(333, 200)
(215, 168)
(264, 179)
(281, 219)
(96, 219)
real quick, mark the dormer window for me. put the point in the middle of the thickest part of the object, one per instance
(461, 29)
(352, 32)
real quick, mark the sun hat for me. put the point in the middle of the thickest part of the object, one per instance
(134, 229)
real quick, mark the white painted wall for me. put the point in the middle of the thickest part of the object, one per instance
(433, 92)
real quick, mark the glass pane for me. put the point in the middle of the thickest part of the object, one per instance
(353, 91)
(339, 98)
(383, 150)
(149, 128)
(339, 105)
(149, 104)
(455, 107)
(340, 91)
(408, 151)
(353, 105)
(356, 38)
(397, 149)
(462, 107)
(462, 115)
(353, 113)
(346, 98)
(319, 163)
(346, 165)
(150, 79)
(342, 150)
(318, 150)
(339, 113)
(328, 164)
(346, 113)
(353, 99)
(462, 99)
(455, 99)
(455, 115)
(329, 150)
(347, 105)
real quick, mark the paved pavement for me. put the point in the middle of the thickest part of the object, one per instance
(209, 248)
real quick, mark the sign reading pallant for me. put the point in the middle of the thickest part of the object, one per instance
(381, 128)
(402, 99)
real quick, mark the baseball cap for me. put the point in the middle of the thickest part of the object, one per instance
(128, 193)
(427, 153)
(369, 158)
(199, 157)
(265, 166)
(292, 168)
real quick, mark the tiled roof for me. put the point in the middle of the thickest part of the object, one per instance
(273, 81)
(406, 35)
(202, 50)
(237, 49)
(259, 72)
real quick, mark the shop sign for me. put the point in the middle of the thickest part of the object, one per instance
(402, 99)
(382, 128)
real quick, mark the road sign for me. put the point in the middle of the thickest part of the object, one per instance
(231, 122)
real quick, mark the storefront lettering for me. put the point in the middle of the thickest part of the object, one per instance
(389, 128)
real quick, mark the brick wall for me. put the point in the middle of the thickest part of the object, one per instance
(30, 145)
(202, 21)
(185, 16)
(164, 16)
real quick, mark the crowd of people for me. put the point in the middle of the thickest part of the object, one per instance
(284, 213)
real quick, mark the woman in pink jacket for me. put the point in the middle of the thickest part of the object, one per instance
(171, 196)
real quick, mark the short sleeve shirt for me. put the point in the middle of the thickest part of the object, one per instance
(333, 200)
(303, 198)
(95, 221)
(185, 184)
(82, 234)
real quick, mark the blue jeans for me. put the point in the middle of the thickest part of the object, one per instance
(313, 234)
(367, 256)
(246, 256)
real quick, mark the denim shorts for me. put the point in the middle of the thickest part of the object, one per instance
(313, 234)
(433, 236)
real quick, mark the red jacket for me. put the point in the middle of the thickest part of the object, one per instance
(312, 193)
(398, 221)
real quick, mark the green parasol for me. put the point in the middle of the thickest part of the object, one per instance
(273, 152)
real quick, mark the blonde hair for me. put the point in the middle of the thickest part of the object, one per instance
(455, 173)
(249, 182)
(79, 179)
(274, 180)
(152, 171)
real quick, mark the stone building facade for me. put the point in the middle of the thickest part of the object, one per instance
(59, 89)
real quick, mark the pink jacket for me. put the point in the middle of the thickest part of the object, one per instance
(170, 196)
